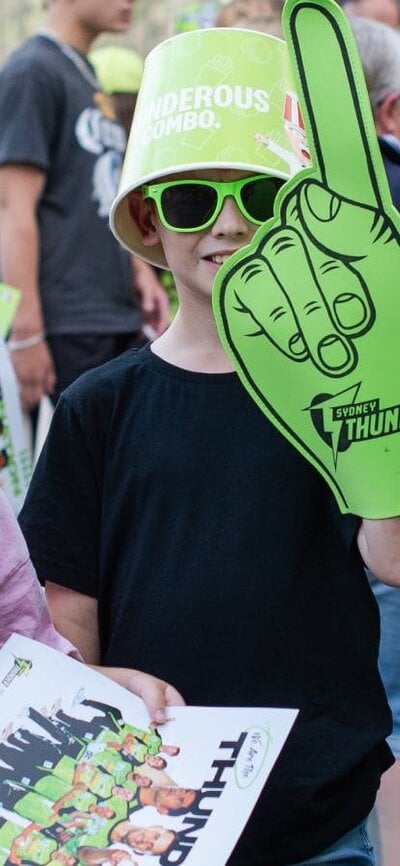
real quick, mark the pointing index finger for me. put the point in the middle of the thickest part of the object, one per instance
(335, 101)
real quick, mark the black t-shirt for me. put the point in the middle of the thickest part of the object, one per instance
(52, 117)
(221, 565)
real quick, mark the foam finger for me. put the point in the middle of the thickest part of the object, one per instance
(331, 351)
(335, 101)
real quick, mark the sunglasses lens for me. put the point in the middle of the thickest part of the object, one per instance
(258, 197)
(188, 205)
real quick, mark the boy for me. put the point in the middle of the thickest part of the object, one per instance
(189, 538)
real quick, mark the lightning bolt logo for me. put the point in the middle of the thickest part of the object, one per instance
(327, 405)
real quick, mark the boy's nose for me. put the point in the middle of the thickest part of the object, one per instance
(230, 221)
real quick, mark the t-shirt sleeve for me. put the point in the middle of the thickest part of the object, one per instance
(30, 102)
(61, 514)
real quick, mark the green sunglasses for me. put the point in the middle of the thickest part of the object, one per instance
(193, 205)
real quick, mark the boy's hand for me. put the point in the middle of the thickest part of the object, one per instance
(310, 311)
(157, 694)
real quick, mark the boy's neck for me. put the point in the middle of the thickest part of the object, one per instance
(193, 344)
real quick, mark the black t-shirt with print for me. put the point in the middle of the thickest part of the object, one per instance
(220, 564)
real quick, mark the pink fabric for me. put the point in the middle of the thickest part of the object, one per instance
(23, 607)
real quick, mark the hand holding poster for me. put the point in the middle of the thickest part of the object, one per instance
(84, 775)
(309, 312)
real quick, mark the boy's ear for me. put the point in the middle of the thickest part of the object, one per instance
(141, 211)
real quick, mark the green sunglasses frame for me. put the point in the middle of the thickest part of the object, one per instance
(222, 188)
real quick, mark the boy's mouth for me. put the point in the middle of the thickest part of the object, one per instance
(219, 258)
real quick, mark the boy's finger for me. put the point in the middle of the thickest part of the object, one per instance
(150, 689)
(335, 102)
(156, 694)
(173, 698)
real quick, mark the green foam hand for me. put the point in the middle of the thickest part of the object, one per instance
(309, 312)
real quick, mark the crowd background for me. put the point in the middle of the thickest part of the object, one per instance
(152, 23)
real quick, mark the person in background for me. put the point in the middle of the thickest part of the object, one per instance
(194, 16)
(379, 47)
(61, 150)
(263, 15)
(119, 71)
(23, 607)
(386, 11)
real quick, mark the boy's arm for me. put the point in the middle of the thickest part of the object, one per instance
(379, 545)
(75, 614)
(75, 617)
(21, 187)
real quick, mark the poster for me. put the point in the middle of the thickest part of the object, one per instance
(84, 777)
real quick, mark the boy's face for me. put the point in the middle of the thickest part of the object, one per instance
(195, 257)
